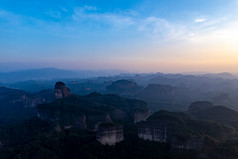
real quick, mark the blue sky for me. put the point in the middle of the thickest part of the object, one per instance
(135, 35)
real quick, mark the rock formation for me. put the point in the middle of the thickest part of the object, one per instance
(153, 133)
(61, 91)
(176, 129)
(29, 100)
(141, 115)
(110, 133)
(22, 98)
(194, 143)
(95, 112)
(160, 133)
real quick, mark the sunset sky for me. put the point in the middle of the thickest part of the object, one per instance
(133, 35)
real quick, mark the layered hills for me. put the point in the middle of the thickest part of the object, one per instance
(91, 110)
(205, 110)
(172, 92)
(77, 126)
(17, 105)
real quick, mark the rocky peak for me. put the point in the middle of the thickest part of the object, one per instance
(61, 91)
(110, 133)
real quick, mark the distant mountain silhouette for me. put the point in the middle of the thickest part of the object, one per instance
(224, 75)
(53, 73)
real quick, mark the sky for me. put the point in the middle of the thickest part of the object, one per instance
(136, 35)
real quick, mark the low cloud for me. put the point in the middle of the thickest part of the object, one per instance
(201, 20)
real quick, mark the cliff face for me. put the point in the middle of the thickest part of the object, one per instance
(181, 130)
(24, 99)
(119, 108)
(109, 133)
(61, 91)
(194, 143)
(95, 108)
(17, 105)
(141, 115)
(153, 133)
(29, 101)
(176, 129)
(162, 134)
(139, 110)
(91, 112)
(21, 98)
